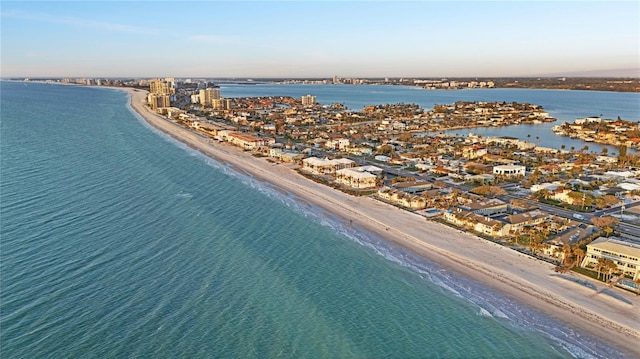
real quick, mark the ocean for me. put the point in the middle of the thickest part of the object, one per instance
(116, 241)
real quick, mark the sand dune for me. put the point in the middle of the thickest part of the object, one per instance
(592, 308)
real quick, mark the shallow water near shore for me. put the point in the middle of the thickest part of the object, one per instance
(117, 241)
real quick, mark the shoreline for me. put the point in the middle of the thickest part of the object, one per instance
(515, 275)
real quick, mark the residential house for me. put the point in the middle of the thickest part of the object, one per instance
(285, 156)
(472, 152)
(326, 166)
(569, 237)
(517, 222)
(402, 199)
(337, 143)
(487, 207)
(479, 223)
(412, 187)
(358, 177)
(562, 195)
(246, 141)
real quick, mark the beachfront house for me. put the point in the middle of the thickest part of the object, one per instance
(487, 207)
(517, 222)
(285, 156)
(479, 223)
(324, 166)
(412, 187)
(246, 141)
(401, 198)
(569, 237)
(624, 253)
(489, 226)
(358, 177)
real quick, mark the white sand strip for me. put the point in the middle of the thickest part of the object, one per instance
(526, 279)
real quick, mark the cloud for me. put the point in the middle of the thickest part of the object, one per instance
(73, 21)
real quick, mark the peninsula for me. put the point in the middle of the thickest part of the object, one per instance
(593, 308)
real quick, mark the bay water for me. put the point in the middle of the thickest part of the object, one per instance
(564, 105)
(116, 241)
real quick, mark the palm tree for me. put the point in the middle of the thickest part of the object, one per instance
(600, 265)
(566, 253)
(579, 254)
(536, 244)
(610, 268)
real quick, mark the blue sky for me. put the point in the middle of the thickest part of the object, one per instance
(318, 39)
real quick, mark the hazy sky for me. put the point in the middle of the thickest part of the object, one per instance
(318, 39)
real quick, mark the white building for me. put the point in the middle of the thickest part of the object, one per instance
(337, 144)
(326, 166)
(308, 100)
(625, 254)
(509, 170)
(356, 177)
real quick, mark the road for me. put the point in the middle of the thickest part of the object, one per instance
(625, 229)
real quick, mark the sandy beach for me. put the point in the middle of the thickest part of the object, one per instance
(607, 313)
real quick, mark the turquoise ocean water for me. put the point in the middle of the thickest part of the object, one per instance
(118, 242)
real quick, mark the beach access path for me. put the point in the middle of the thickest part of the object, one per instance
(607, 313)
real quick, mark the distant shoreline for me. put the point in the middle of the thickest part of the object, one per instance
(604, 84)
(528, 280)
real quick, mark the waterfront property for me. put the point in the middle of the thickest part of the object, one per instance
(246, 141)
(477, 222)
(487, 207)
(624, 253)
(413, 187)
(401, 198)
(358, 177)
(324, 166)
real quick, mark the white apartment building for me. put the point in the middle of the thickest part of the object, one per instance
(624, 253)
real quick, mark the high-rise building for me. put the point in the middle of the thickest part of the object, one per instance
(221, 104)
(208, 95)
(157, 101)
(308, 100)
(161, 87)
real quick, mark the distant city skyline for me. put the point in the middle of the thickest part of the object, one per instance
(319, 39)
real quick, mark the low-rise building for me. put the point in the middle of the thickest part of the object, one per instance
(412, 187)
(246, 141)
(568, 237)
(509, 170)
(324, 166)
(517, 222)
(338, 143)
(402, 199)
(285, 156)
(487, 207)
(479, 223)
(356, 177)
(624, 253)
